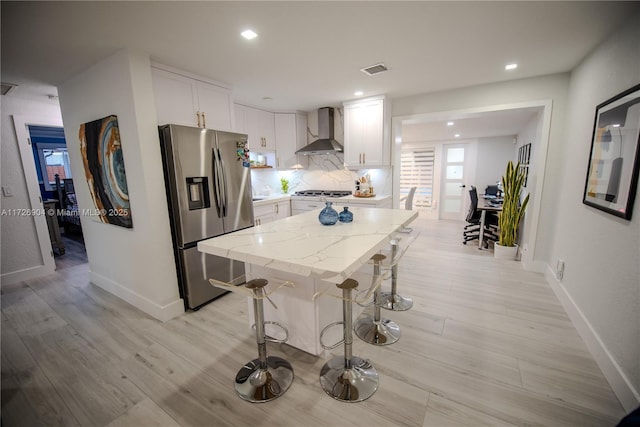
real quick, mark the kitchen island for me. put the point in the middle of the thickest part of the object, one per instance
(314, 258)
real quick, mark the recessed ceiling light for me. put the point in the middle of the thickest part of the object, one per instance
(358, 93)
(457, 135)
(616, 125)
(509, 67)
(449, 123)
(249, 34)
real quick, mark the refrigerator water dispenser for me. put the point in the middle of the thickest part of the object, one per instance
(198, 190)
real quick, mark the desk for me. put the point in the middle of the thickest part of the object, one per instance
(314, 257)
(483, 209)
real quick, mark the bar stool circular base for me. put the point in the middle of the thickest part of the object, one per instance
(354, 384)
(384, 332)
(262, 385)
(395, 302)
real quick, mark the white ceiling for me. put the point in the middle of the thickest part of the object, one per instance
(308, 54)
(470, 125)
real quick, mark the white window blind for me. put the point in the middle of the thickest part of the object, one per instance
(416, 170)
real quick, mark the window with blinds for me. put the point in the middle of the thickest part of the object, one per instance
(416, 170)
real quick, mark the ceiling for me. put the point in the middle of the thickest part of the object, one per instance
(308, 54)
(470, 125)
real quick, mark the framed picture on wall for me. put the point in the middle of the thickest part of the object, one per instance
(612, 171)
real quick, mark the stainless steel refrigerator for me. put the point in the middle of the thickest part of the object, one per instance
(208, 185)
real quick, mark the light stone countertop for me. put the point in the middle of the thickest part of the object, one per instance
(301, 245)
(377, 198)
(270, 199)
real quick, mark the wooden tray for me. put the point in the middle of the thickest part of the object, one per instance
(362, 196)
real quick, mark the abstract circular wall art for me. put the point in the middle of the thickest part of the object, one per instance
(104, 169)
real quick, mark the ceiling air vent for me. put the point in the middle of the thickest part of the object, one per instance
(374, 69)
(7, 88)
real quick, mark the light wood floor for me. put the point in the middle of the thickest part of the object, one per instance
(485, 344)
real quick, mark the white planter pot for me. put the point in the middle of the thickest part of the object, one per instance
(505, 252)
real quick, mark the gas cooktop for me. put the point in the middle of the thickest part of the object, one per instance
(324, 193)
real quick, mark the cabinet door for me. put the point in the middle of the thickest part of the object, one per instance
(364, 133)
(214, 103)
(282, 209)
(301, 138)
(252, 128)
(373, 116)
(239, 125)
(268, 129)
(353, 134)
(175, 98)
(291, 135)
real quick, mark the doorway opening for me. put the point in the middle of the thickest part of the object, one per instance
(55, 182)
(507, 127)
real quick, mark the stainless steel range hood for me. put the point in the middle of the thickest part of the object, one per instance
(326, 144)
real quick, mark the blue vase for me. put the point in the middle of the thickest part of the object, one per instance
(346, 215)
(328, 215)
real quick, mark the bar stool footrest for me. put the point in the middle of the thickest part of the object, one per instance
(255, 384)
(324, 330)
(355, 383)
(272, 339)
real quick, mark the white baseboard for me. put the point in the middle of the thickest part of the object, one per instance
(622, 387)
(26, 274)
(162, 313)
(535, 266)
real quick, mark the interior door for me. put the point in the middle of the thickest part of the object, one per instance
(454, 176)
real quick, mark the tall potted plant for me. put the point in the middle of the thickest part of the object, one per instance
(512, 212)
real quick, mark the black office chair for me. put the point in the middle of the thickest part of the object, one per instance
(472, 229)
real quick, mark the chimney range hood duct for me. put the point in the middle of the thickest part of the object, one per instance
(326, 144)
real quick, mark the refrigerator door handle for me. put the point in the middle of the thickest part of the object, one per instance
(216, 181)
(225, 200)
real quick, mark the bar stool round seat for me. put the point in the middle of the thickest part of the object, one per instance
(267, 377)
(373, 329)
(391, 300)
(347, 378)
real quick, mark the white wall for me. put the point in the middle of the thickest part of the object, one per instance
(601, 284)
(136, 264)
(492, 158)
(21, 255)
(530, 134)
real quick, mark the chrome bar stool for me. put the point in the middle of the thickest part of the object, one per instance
(374, 329)
(267, 377)
(347, 378)
(392, 300)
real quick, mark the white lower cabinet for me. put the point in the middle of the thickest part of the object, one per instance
(267, 211)
(282, 209)
(301, 206)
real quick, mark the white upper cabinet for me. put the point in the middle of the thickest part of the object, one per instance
(259, 125)
(291, 135)
(184, 99)
(366, 133)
